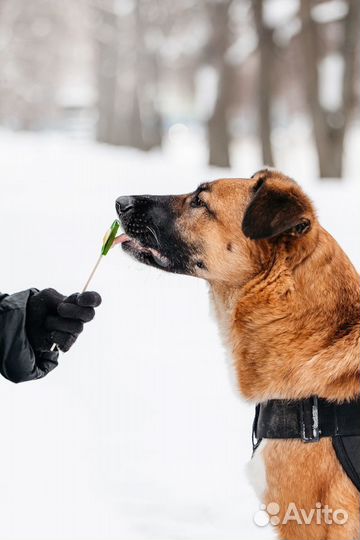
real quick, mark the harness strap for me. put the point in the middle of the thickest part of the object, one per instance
(306, 419)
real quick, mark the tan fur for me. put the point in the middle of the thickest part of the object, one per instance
(289, 309)
(308, 474)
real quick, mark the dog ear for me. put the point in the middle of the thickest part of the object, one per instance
(274, 211)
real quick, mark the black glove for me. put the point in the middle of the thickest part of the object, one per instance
(52, 318)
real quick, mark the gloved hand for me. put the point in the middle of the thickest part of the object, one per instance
(53, 318)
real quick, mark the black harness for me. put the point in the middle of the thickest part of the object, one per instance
(310, 420)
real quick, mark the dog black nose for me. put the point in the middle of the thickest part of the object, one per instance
(124, 204)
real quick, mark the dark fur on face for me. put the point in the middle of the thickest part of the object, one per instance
(210, 233)
(149, 221)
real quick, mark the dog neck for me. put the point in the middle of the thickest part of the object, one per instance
(293, 327)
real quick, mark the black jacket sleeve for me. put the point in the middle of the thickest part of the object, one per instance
(18, 361)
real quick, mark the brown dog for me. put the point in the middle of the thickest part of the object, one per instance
(287, 300)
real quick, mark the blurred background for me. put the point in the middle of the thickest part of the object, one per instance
(139, 433)
(235, 76)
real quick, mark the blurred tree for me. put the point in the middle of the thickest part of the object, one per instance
(219, 42)
(330, 125)
(37, 61)
(264, 90)
(31, 37)
(216, 63)
(147, 128)
(106, 70)
(126, 76)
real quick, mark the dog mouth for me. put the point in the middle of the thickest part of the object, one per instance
(141, 252)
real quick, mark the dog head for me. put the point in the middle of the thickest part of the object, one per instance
(221, 230)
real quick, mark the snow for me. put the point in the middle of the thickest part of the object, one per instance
(331, 69)
(138, 433)
(329, 11)
(278, 12)
(76, 95)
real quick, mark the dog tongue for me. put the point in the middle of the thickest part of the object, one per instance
(121, 239)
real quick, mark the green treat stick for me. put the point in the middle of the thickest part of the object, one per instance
(105, 248)
(110, 237)
(107, 243)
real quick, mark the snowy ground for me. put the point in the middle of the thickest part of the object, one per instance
(138, 434)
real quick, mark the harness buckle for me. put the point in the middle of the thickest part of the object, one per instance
(309, 420)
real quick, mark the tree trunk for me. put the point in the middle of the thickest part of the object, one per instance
(329, 126)
(153, 129)
(107, 66)
(137, 139)
(266, 52)
(120, 108)
(136, 135)
(217, 126)
(218, 132)
(145, 121)
(330, 149)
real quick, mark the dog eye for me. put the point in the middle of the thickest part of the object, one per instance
(197, 202)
